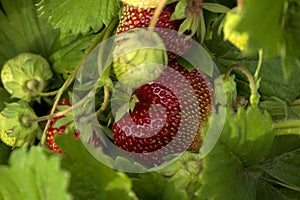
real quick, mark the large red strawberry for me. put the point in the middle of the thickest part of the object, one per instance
(143, 3)
(137, 17)
(178, 101)
(53, 131)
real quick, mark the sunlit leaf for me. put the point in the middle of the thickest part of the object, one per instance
(79, 16)
(33, 175)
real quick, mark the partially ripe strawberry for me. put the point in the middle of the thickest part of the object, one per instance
(52, 132)
(166, 106)
(136, 17)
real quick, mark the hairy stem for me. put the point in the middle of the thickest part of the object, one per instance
(155, 17)
(45, 94)
(105, 101)
(71, 78)
(254, 99)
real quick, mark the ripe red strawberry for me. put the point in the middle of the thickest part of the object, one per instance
(142, 3)
(166, 106)
(52, 132)
(137, 17)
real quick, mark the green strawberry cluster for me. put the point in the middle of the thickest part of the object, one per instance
(24, 77)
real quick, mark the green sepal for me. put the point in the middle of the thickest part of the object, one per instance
(215, 8)
(179, 12)
(230, 89)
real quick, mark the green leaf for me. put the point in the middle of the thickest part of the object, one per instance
(245, 142)
(285, 168)
(149, 186)
(284, 144)
(282, 20)
(4, 98)
(179, 180)
(4, 153)
(33, 175)
(225, 54)
(290, 194)
(278, 109)
(69, 51)
(214, 7)
(184, 173)
(63, 121)
(22, 31)
(82, 16)
(90, 179)
(257, 23)
(249, 135)
(224, 177)
(265, 191)
(290, 49)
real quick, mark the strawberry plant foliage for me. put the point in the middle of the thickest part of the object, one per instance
(282, 21)
(248, 162)
(83, 16)
(285, 169)
(5, 152)
(33, 175)
(273, 82)
(90, 179)
(21, 30)
(245, 142)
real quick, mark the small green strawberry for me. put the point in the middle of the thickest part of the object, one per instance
(25, 76)
(138, 59)
(15, 126)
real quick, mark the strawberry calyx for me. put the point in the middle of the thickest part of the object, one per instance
(191, 12)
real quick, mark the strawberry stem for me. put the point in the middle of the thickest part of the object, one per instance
(240, 4)
(105, 101)
(290, 127)
(45, 94)
(61, 113)
(260, 60)
(71, 78)
(254, 98)
(102, 108)
(155, 17)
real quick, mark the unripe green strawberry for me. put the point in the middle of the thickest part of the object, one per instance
(142, 4)
(16, 128)
(26, 75)
(138, 59)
